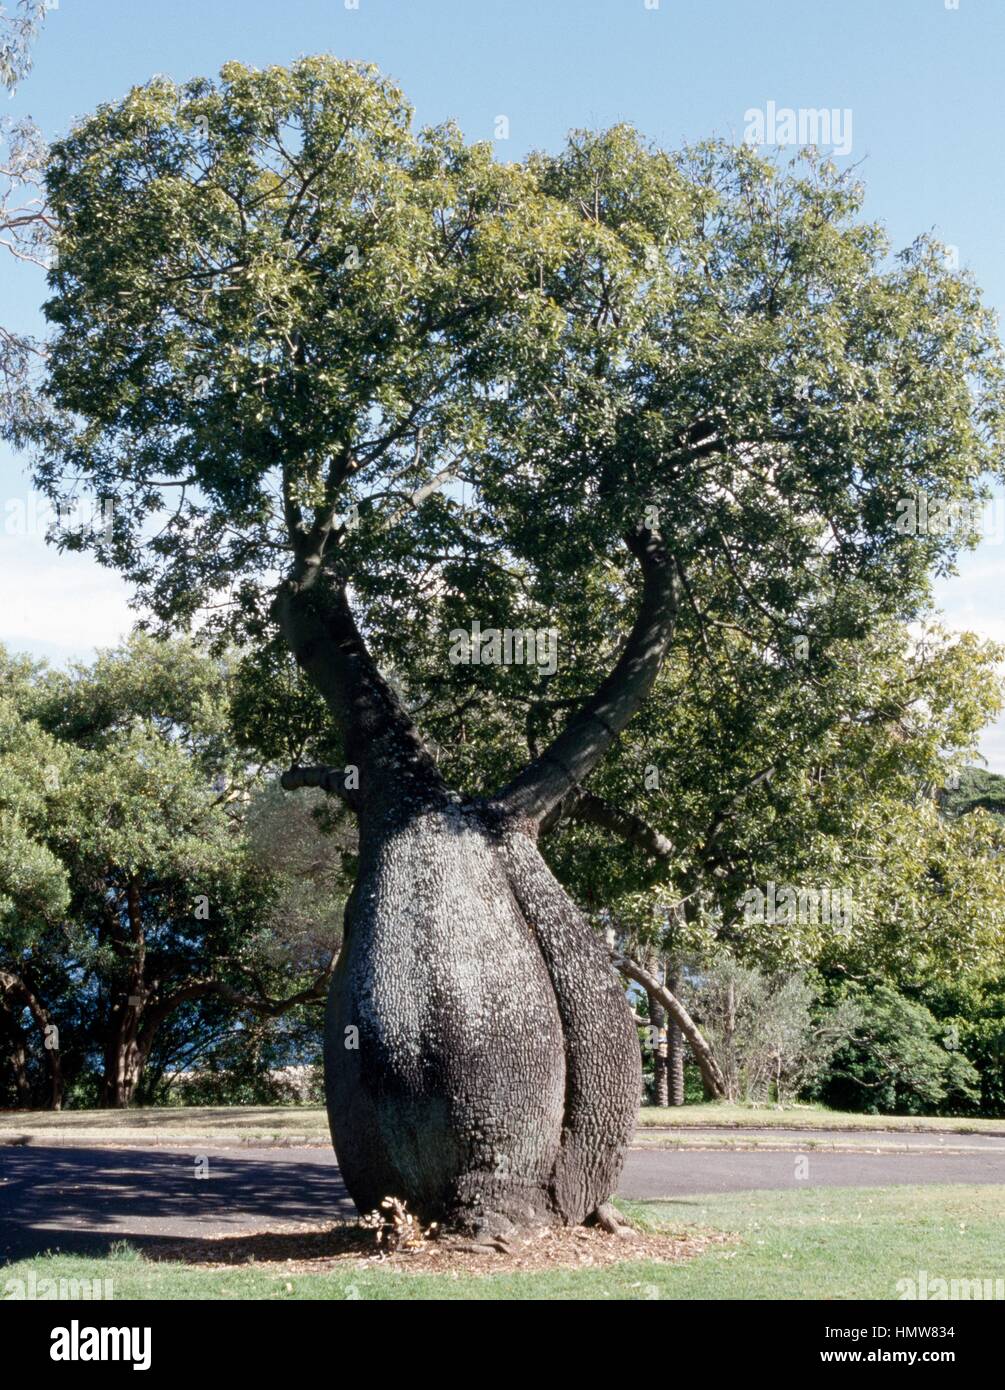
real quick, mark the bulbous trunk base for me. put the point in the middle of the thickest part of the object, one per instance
(481, 1062)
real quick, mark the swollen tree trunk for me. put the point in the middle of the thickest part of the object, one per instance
(480, 1058)
(481, 1061)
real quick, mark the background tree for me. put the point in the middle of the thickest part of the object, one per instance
(34, 892)
(138, 893)
(897, 1061)
(19, 28)
(769, 1040)
(681, 396)
(25, 223)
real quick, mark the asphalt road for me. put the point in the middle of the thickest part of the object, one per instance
(85, 1199)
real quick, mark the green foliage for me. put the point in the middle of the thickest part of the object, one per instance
(19, 27)
(973, 1017)
(254, 278)
(24, 222)
(975, 789)
(33, 883)
(898, 1061)
(151, 891)
(847, 812)
(982, 1041)
(275, 303)
(277, 712)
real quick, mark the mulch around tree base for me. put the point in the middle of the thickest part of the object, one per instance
(322, 1249)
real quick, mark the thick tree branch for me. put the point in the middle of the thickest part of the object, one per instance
(590, 809)
(17, 986)
(379, 736)
(259, 1004)
(332, 780)
(711, 1072)
(566, 762)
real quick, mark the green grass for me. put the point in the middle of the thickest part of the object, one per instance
(227, 1124)
(740, 1139)
(801, 1116)
(831, 1243)
(307, 1124)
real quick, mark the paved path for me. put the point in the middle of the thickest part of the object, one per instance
(689, 1172)
(84, 1199)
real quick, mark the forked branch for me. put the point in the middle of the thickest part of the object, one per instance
(568, 760)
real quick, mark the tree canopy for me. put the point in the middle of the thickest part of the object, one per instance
(283, 319)
(24, 220)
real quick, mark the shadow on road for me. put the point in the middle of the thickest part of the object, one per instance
(83, 1201)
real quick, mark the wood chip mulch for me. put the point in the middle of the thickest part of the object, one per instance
(320, 1249)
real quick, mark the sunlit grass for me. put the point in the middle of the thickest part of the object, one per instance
(834, 1243)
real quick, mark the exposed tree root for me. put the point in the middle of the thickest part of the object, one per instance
(608, 1218)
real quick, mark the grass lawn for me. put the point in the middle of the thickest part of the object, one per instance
(307, 1124)
(225, 1124)
(832, 1243)
(801, 1116)
(740, 1138)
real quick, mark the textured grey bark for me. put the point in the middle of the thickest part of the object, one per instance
(494, 1077)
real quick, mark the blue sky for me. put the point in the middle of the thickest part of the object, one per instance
(921, 81)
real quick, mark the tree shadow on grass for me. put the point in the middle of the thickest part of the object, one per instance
(336, 1242)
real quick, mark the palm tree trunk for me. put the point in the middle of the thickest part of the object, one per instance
(675, 1050)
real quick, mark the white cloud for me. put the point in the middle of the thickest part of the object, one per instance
(971, 602)
(59, 605)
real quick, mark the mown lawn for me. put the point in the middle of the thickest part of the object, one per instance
(307, 1124)
(234, 1124)
(832, 1243)
(802, 1116)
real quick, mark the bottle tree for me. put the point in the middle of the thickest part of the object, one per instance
(355, 389)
